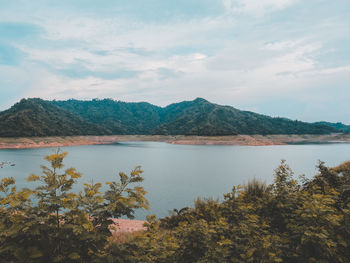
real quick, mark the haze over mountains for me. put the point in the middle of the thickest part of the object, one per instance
(37, 117)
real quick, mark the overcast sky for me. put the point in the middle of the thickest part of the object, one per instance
(287, 58)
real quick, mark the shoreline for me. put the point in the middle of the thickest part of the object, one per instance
(239, 140)
(127, 226)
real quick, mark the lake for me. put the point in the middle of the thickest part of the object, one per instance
(175, 175)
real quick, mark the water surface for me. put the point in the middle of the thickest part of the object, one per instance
(175, 175)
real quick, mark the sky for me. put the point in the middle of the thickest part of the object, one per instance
(288, 58)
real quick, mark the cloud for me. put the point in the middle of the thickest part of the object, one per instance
(256, 7)
(109, 34)
(251, 54)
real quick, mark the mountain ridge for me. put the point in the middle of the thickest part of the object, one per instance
(338, 125)
(37, 117)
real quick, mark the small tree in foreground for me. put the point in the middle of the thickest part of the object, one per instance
(53, 224)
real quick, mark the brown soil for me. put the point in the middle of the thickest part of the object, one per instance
(127, 226)
(251, 140)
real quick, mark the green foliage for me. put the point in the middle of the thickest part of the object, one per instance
(286, 221)
(53, 224)
(197, 117)
(282, 222)
(339, 126)
(116, 116)
(35, 117)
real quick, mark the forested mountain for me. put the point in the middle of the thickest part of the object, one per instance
(36, 117)
(200, 117)
(197, 117)
(117, 116)
(339, 126)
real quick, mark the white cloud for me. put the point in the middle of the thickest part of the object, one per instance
(336, 70)
(257, 7)
(238, 72)
(110, 34)
(227, 58)
(282, 45)
(277, 74)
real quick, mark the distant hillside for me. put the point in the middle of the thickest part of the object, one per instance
(339, 126)
(118, 117)
(197, 117)
(36, 117)
(200, 117)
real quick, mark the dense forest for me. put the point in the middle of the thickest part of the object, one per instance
(290, 220)
(36, 117)
(339, 126)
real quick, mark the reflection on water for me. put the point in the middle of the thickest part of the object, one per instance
(137, 144)
(175, 175)
(317, 142)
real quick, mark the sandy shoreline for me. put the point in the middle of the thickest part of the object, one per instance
(127, 226)
(249, 140)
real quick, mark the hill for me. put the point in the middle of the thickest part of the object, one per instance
(117, 116)
(200, 117)
(36, 117)
(339, 126)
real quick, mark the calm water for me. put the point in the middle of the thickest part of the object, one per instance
(176, 174)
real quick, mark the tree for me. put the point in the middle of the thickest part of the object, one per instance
(54, 224)
(286, 221)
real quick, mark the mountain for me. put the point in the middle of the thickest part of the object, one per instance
(339, 126)
(200, 117)
(197, 117)
(117, 116)
(36, 117)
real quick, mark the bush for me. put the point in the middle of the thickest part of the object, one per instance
(53, 224)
